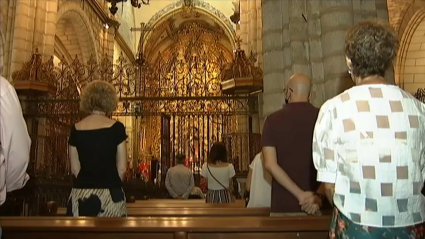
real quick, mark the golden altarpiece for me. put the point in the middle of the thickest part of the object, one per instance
(181, 100)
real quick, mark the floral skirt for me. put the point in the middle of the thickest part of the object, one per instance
(342, 227)
(219, 196)
(101, 202)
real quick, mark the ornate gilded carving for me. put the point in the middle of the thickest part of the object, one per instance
(242, 76)
(196, 3)
(36, 75)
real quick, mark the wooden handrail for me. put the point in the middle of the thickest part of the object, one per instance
(166, 224)
(191, 212)
(166, 203)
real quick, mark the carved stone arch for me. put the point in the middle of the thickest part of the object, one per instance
(2, 45)
(201, 6)
(74, 33)
(61, 52)
(412, 18)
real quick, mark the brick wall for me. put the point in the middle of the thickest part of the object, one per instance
(414, 70)
(396, 11)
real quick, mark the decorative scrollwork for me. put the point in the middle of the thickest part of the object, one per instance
(420, 95)
(242, 66)
(183, 84)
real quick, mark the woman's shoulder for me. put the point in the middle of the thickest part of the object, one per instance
(118, 125)
(90, 124)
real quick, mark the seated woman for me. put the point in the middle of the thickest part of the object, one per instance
(218, 173)
(196, 193)
(97, 150)
(368, 145)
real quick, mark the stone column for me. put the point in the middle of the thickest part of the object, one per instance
(382, 13)
(335, 17)
(252, 27)
(276, 53)
(34, 27)
(243, 26)
(108, 42)
(259, 32)
(313, 46)
(315, 53)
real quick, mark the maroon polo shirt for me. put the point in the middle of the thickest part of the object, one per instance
(290, 131)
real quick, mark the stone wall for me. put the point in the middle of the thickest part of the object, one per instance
(57, 27)
(414, 65)
(250, 32)
(312, 44)
(27, 25)
(126, 17)
(119, 52)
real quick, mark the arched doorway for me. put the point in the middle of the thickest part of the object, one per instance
(410, 63)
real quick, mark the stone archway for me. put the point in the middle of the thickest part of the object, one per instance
(200, 6)
(1, 52)
(165, 28)
(410, 62)
(74, 34)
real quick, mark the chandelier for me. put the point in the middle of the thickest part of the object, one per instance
(135, 3)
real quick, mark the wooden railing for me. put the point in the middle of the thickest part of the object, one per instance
(191, 212)
(166, 227)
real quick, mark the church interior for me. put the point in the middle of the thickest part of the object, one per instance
(188, 73)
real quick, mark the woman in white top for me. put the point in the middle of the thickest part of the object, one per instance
(218, 173)
(368, 145)
(259, 183)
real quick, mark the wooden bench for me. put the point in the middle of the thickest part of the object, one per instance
(166, 227)
(191, 212)
(193, 203)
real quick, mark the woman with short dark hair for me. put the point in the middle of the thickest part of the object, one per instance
(218, 173)
(97, 150)
(368, 145)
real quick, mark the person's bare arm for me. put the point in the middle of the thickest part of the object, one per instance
(270, 161)
(329, 189)
(248, 180)
(74, 161)
(122, 159)
(321, 189)
(312, 204)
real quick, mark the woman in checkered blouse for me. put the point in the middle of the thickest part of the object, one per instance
(368, 145)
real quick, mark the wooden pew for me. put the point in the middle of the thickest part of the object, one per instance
(191, 212)
(166, 227)
(193, 203)
(164, 203)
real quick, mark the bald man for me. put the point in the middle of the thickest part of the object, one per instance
(287, 150)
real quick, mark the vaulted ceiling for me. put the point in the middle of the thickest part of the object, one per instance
(176, 27)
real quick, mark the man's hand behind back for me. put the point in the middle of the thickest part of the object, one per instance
(302, 197)
(311, 205)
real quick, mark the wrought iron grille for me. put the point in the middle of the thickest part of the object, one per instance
(188, 93)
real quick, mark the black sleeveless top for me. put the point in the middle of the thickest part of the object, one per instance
(97, 152)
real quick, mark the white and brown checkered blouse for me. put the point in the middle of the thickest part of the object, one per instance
(370, 142)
